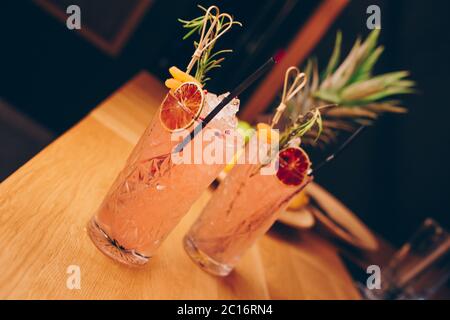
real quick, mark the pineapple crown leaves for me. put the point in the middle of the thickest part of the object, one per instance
(359, 96)
(208, 59)
(351, 83)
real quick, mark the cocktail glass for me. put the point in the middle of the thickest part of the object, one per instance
(417, 270)
(153, 192)
(242, 209)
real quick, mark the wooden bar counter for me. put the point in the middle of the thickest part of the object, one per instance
(45, 205)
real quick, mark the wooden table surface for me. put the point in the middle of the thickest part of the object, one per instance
(45, 205)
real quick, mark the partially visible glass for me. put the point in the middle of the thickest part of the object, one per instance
(418, 269)
(153, 192)
(241, 210)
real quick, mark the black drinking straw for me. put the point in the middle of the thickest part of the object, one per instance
(239, 89)
(342, 147)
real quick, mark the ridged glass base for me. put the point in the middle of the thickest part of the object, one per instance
(112, 248)
(203, 260)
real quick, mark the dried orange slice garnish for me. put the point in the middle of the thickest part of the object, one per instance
(181, 106)
(293, 166)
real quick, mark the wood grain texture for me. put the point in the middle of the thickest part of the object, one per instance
(299, 48)
(45, 205)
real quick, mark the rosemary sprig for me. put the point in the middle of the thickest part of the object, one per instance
(209, 59)
(208, 62)
(302, 125)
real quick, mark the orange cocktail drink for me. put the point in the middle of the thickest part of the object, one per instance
(156, 188)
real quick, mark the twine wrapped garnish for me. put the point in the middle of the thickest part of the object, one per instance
(185, 100)
(211, 26)
(302, 123)
(207, 38)
(294, 81)
(289, 91)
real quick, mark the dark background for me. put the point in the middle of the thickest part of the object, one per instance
(394, 176)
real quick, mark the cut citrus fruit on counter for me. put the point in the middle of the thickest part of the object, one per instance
(182, 106)
(181, 75)
(293, 166)
(299, 201)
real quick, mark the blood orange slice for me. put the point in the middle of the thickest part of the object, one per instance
(181, 106)
(293, 166)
